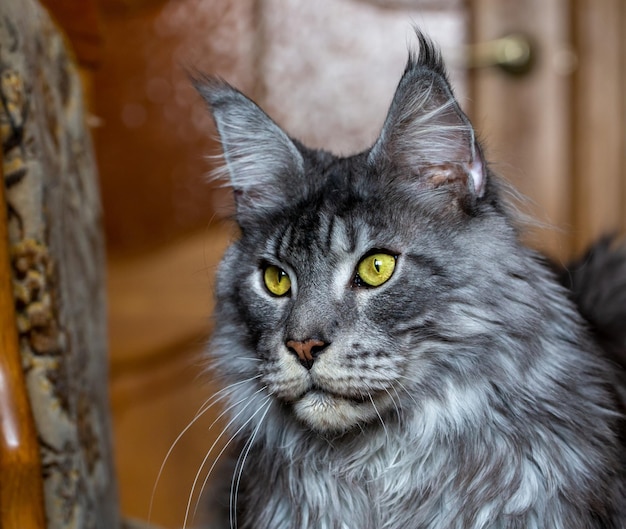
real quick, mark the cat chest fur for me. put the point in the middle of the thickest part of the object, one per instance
(400, 483)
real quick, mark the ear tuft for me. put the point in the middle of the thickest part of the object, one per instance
(261, 159)
(425, 125)
(428, 55)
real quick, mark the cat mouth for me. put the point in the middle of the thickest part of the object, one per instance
(325, 393)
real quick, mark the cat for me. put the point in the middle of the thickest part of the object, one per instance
(392, 355)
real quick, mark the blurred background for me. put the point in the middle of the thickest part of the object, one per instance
(547, 101)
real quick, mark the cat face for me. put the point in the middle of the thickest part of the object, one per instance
(349, 287)
(345, 297)
(330, 337)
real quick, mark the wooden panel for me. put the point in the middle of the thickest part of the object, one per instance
(163, 298)
(525, 121)
(159, 319)
(151, 409)
(155, 131)
(152, 143)
(599, 122)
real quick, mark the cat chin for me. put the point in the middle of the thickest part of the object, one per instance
(324, 412)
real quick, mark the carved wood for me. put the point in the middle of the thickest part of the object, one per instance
(56, 265)
(21, 482)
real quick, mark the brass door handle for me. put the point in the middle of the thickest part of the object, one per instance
(513, 54)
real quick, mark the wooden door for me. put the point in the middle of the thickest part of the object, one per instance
(557, 133)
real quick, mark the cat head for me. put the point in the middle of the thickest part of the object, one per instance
(353, 275)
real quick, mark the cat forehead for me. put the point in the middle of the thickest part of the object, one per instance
(344, 215)
(319, 233)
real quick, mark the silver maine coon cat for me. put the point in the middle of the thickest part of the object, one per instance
(393, 356)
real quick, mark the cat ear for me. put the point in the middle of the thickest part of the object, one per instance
(426, 132)
(260, 158)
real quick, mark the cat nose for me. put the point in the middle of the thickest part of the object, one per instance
(307, 351)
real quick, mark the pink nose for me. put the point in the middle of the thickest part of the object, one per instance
(307, 351)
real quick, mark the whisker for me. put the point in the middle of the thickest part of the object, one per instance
(402, 386)
(395, 405)
(398, 394)
(223, 393)
(206, 405)
(227, 409)
(377, 413)
(240, 464)
(206, 457)
(214, 464)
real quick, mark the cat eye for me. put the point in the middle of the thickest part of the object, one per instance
(375, 269)
(276, 280)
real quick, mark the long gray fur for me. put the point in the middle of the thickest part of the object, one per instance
(466, 392)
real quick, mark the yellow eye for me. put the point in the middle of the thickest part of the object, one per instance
(376, 269)
(276, 280)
